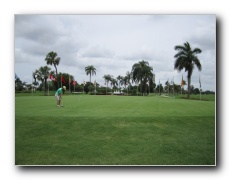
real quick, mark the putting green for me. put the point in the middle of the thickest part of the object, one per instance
(114, 130)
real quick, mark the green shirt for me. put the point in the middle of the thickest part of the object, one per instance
(59, 91)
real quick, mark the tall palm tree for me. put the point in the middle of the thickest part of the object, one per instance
(90, 70)
(142, 72)
(186, 59)
(53, 59)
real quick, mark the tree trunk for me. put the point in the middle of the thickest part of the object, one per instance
(189, 81)
(142, 87)
(56, 77)
(45, 87)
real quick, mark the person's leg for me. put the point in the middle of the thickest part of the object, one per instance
(58, 100)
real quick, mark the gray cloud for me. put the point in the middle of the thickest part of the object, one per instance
(204, 36)
(97, 51)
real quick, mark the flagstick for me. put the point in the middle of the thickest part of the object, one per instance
(149, 88)
(200, 94)
(74, 88)
(32, 85)
(69, 85)
(182, 84)
(200, 87)
(48, 89)
(95, 84)
(168, 88)
(83, 87)
(106, 87)
(159, 88)
(173, 87)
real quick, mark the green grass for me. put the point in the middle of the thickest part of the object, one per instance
(114, 130)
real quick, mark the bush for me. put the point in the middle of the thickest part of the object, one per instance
(78, 92)
(23, 91)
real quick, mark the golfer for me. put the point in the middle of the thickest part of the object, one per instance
(58, 95)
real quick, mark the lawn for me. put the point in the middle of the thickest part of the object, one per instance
(114, 130)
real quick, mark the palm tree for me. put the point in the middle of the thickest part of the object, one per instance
(142, 72)
(125, 81)
(42, 75)
(18, 84)
(148, 75)
(53, 59)
(35, 83)
(128, 76)
(114, 83)
(119, 78)
(90, 70)
(167, 86)
(107, 79)
(186, 58)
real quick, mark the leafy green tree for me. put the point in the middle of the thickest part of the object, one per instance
(187, 59)
(53, 59)
(167, 86)
(87, 87)
(66, 80)
(159, 88)
(196, 91)
(191, 89)
(90, 70)
(79, 88)
(177, 88)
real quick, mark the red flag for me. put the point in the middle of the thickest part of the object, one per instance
(52, 78)
(63, 79)
(74, 83)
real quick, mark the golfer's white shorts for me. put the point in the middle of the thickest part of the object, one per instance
(58, 98)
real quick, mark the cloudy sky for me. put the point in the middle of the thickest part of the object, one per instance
(113, 43)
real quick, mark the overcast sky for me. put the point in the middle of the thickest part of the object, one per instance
(113, 43)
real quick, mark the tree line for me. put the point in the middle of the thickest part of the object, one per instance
(140, 79)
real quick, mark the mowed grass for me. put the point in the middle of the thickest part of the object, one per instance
(114, 130)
